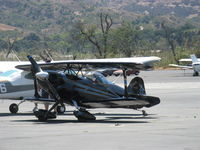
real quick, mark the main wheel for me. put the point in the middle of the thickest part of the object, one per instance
(42, 115)
(13, 108)
(84, 115)
(195, 73)
(61, 109)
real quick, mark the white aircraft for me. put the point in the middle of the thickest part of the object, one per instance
(18, 84)
(14, 83)
(195, 64)
(8, 65)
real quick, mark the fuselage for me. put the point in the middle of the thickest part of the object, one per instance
(94, 92)
(94, 88)
(16, 84)
(196, 66)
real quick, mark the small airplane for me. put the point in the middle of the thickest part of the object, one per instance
(63, 82)
(195, 64)
(16, 84)
(8, 65)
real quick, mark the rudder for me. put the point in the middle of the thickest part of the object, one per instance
(194, 58)
(136, 86)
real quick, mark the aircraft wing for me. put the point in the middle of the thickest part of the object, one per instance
(140, 63)
(187, 60)
(181, 66)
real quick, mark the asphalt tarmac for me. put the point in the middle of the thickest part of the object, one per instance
(174, 124)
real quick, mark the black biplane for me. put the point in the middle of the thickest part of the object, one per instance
(65, 83)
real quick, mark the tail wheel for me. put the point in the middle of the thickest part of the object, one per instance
(144, 113)
(13, 108)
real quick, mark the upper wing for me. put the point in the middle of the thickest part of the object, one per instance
(181, 66)
(129, 63)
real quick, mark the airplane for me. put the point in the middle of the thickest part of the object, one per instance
(195, 64)
(87, 92)
(16, 84)
(7, 65)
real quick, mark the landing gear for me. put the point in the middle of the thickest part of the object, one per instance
(13, 108)
(43, 115)
(35, 108)
(195, 73)
(144, 113)
(83, 115)
(61, 109)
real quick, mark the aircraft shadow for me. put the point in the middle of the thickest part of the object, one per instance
(109, 119)
(102, 121)
(18, 114)
(26, 114)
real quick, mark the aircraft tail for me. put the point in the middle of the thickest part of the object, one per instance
(136, 86)
(194, 58)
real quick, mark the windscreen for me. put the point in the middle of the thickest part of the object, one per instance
(8, 73)
(98, 78)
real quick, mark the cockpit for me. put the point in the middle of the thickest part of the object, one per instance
(9, 73)
(16, 73)
(97, 78)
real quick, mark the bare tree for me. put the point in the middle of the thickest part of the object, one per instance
(106, 23)
(46, 55)
(101, 43)
(170, 40)
(10, 45)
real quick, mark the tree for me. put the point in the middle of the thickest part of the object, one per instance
(98, 37)
(169, 35)
(125, 39)
(10, 45)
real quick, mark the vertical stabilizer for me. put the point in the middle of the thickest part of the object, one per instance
(194, 58)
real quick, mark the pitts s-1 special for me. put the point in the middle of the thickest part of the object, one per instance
(65, 83)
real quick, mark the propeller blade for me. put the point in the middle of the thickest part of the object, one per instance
(35, 67)
(42, 78)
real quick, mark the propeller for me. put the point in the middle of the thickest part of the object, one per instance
(35, 68)
(43, 80)
(38, 73)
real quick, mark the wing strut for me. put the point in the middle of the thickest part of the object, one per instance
(125, 83)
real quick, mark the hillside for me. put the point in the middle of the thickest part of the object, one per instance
(57, 15)
(4, 27)
(139, 27)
